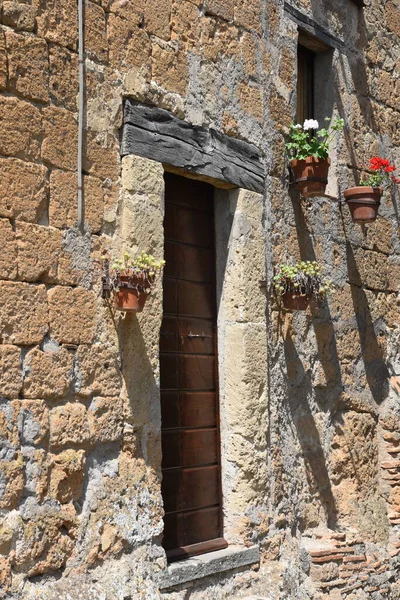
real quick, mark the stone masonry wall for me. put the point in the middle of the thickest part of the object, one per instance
(311, 432)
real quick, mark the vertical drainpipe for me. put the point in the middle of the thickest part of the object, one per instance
(81, 63)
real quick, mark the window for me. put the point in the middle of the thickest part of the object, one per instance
(305, 84)
(314, 59)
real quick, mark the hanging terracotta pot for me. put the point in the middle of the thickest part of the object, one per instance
(363, 202)
(311, 175)
(129, 296)
(295, 302)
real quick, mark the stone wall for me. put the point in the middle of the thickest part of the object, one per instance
(310, 424)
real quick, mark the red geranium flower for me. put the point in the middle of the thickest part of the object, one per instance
(382, 173)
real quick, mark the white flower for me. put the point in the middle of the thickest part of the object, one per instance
(310, 124)
(298, 126)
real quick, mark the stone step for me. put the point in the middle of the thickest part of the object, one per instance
(257, 598)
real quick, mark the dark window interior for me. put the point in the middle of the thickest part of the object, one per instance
(305, 84)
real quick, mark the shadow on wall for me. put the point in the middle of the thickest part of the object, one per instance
(299, 392)
(321, 322)
(301, 388)
(142, 391)
(376, 370)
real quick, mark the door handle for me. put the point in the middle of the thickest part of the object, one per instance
(201, 335)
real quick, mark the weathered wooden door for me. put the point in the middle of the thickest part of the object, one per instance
(191, 485)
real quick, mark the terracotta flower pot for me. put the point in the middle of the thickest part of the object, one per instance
(363, 202)
(311, 175)
(292, 302)
(128, 297)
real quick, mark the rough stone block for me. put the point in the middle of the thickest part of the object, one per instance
(3, 61)
(20, 128)
(157, 15)
(23, 189)
(63, 203)
(42, 256)
(45, 541)
(97, 369)
(368, 268)
(287, 67)
(28, 66)
(19, 16)
(48, 374)
(105, 416)
(230, 124)
(243, 268)
(185, 24)
(10, 371)
(60, 143)
(6, 535)
(58, 22)
(23, 313)
(8, 425)
(251, 100)
(12, 477)
(8, 256)
(95, 32)
(67, 473)
(102, 160)
(354, 459)
(33, 422)
(219, 39)
(170, 69)
(63, 77)
(220, 8)
(72, 315)
(129, 43)
(279, 111)
(40, 473)
(142, 176)
(68, 425)
(249, 51)
(393, 16)
(38, 252)
(5, 577)
(248, 14)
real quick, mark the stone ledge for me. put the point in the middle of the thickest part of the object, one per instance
(257, 598)
(208, 564)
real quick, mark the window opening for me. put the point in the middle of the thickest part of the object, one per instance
(305, 84)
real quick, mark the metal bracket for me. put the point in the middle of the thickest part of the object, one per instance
(301, 179)
(105, 280)
(201, 335)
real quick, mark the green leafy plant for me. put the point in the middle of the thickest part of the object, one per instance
(139, 272)
(303, 279)
(303, 141)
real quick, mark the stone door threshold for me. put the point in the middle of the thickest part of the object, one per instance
(197, 567)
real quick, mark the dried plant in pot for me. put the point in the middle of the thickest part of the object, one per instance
(131, 280)
(309, 154)
(296, 285)
(364, 200)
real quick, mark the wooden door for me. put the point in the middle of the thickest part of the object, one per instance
(191, 485)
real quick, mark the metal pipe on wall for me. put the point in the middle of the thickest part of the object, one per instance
(81, 99)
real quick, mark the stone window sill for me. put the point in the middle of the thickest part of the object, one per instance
(198, 567)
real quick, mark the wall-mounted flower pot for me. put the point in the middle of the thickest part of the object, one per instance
(295, 302)
(364, 203)
(311, 175)
(129, 297)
